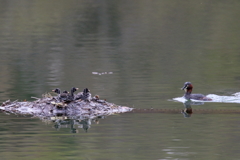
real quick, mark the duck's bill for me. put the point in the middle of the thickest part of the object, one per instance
(184, 87)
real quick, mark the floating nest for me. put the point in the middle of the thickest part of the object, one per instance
(50, 108)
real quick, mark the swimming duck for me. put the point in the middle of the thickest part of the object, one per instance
(188, 93)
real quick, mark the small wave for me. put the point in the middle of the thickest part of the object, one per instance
(224, 99)
(215, 98)
(102, 73)
(193, 101)
(237, 94)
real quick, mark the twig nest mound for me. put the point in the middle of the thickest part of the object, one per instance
(50, 106)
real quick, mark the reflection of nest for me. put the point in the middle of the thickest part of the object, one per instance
(50, 109)
(74, 124)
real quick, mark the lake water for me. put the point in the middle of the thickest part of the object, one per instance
(134, 53)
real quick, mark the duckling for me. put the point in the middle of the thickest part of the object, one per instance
(71, 97)
(61, 96)
(97, 99)
(85, 95)
(57, 90)
(79, 96)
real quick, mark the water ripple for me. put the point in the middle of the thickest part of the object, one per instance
(235, 98)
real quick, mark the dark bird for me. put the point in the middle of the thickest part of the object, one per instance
(61, 96)
(71, 96)
(188, 87)
(65, 96)
(85, 95)
(57, 90)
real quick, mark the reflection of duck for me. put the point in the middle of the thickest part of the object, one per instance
(187, 111)
(188, 93)
(86, 124)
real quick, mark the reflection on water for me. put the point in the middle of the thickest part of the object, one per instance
(63, 121)
(72, 124)
(151, 47)
(165, 136)
(187, 111)
(234, 98)
(178, 151)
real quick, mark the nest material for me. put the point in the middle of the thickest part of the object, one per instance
(50, 106)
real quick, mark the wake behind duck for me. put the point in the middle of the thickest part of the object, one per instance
(200, 98)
